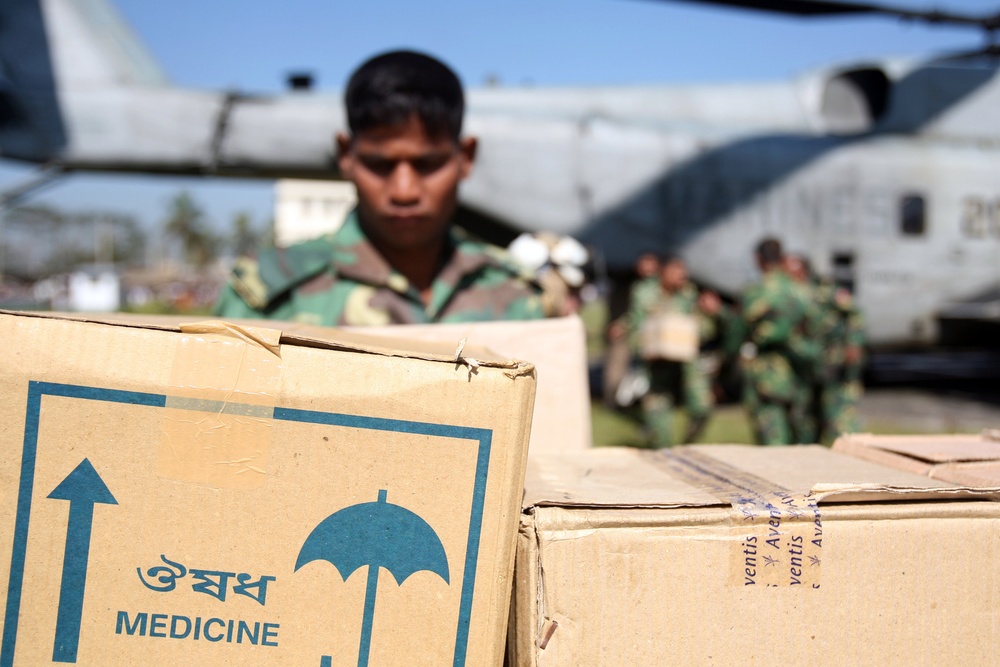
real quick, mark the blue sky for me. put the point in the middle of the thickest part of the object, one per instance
(251, 46)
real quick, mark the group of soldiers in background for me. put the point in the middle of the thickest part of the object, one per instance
(797, 342)
(801, 352)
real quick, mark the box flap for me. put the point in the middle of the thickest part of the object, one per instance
(607, 477)
(927, 448)
(706, 475)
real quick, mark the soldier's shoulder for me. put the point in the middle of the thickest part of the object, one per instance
(754, 291)
(494, 257)
(265, 277)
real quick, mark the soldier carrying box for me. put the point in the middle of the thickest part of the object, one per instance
(667, 323)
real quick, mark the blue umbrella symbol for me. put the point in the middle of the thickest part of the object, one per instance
(378, 534)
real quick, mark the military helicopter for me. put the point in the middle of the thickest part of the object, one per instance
(883, 172)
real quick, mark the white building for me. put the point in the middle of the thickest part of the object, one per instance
(306, 209)
(94, 289)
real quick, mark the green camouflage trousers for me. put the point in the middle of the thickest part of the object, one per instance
(674, 384)
(777, 403)
(840, 408)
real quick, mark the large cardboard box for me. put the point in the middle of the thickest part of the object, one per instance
(556, 347)
(223, 495)
(971, 459)
(736, 555)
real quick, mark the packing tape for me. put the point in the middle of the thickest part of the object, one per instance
(777, 535)
(217, 425)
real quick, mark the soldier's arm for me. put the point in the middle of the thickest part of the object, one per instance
(734, 331)
(805, 338)
(766, 321)
(636, 315)
(709, 312)
(854, 353)
(856, 329)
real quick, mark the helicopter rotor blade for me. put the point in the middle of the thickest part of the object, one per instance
(809, 8)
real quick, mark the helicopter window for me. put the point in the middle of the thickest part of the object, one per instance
(843, 270)
(911, 215)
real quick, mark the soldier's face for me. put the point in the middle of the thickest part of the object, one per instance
(673, 275)
(795, 269)
(647, 265)
(407, 182)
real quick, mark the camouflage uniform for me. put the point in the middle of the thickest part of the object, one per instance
(341, 279)
(645, 292)
(840, 327)
(671, 382)
(619, 361)
(779, 359)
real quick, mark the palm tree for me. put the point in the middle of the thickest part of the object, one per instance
(186, 224)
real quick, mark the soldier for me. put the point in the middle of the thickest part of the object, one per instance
(840, 331)
(670, 351)
(779, 353)
(396, 259)
(619, 375)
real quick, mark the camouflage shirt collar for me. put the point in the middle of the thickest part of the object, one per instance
(355, 258)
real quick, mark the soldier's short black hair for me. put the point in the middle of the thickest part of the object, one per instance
(769, 251)
(389, 88)
(670, 258)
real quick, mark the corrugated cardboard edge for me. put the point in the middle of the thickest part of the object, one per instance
(872, 493)
(524, 624)
(509, 525)
(472, 358)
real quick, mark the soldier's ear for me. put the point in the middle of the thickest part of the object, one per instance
(345, 154)
(467, 147)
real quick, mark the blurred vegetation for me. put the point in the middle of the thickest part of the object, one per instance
(166, 308)
(728, 425)
(40, 241)
(617, 429)
(186, 224)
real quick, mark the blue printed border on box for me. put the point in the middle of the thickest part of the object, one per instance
(36, 390)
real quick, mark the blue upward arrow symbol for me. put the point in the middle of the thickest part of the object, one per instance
(82, 488)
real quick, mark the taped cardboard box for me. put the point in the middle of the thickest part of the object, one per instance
(733, 555)
(968, 459)
(217, 495)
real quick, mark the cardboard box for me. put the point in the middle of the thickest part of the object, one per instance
(218, 495)
(968, 459)
(738, 555)
(556, 347)
(670, 337)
